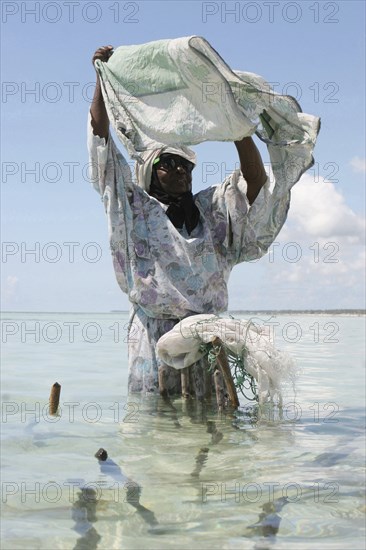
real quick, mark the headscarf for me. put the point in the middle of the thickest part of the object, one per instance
(143, 170)
(181, 209)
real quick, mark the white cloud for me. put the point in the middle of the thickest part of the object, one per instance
(318, 259)
(11, 286)
(358, 164)
(318, 210)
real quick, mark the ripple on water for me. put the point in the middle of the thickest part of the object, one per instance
(182, 476)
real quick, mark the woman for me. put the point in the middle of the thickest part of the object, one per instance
(173, 252)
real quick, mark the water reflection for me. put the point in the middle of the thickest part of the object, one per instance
(166, 416)
(88, 503)
(84, 515)
(268, 524)
(314, 449)
(182, 461)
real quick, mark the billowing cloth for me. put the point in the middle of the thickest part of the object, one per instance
(181, 347)
(181, 92)
(168, 274)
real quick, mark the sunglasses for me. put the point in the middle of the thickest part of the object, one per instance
(171, 162)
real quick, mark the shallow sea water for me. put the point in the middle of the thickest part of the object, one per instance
(179, 474)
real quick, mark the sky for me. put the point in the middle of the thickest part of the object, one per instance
(55, 253)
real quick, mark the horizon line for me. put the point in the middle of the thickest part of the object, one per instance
(252, 310)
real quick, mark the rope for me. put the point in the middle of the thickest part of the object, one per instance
(243, 381)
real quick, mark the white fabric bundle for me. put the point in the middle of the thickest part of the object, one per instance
(180, 348)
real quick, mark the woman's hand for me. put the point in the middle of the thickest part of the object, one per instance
(103, 54)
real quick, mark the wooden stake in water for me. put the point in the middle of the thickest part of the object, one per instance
(219, 387)
(161, 378)
(55, 397)
(101, 454)
(185, 382)
(223, 364)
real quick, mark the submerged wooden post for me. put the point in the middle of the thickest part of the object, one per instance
(55, 397)
(198, 381)
(223, 365)
(208, 380)
(101, 454)
(219, 388)
(184, 377)
(161, 377)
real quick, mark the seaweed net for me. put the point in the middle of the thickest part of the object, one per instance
(260, 371)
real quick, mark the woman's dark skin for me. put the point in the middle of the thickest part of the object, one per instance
(175, 182)
(179, 180)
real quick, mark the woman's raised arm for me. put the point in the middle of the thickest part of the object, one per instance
(99, 117)
(252, 167)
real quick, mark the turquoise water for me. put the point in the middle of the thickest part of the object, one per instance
(179, 474)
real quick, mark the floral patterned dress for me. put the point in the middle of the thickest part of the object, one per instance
(167, 274)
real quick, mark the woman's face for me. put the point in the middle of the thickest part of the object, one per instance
(175, 174)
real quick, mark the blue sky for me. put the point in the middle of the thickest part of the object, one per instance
(312, 50)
